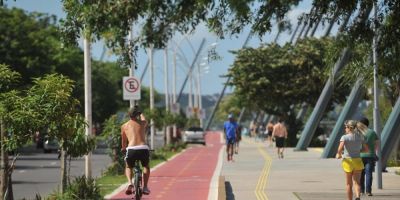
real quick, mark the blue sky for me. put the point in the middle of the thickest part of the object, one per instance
(211, 80)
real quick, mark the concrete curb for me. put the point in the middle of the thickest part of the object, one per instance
(221, 188)
(215, 186)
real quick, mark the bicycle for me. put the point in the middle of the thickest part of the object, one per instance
(137, 180)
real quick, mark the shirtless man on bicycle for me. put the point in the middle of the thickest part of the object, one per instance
(133, 143)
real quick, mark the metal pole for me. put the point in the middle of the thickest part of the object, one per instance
(88, 101)
(144, 71)
(191, 69)
(295, 30)
(279, 31)
(308, 23)
(152, 127)
(345, 22)
(319, 108)
(330, 26)
(199, 96)
(377, 119)
(190, 99)
(348, 110)
(166, 89)
(223, 89)
(241, 114)
(315, 26)
(326, 94)
(132, 67)
(390, 133)
(174, 91)
(302, 29)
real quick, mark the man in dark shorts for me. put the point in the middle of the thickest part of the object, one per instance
(230, 130)
(280, 134)
(134, 144)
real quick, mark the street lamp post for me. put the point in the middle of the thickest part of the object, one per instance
(132, 67)
(88, 101)
(166, 82)
(377, 124)
(152, 127)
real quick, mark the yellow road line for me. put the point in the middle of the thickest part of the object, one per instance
(262, 180)
(264, 175)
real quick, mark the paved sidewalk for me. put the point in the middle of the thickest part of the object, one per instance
(257, 173)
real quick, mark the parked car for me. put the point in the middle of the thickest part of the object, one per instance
(194, 135)
(50, 145)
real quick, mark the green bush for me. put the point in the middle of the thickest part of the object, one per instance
(80, 188)
(116, 168)
(393, 163)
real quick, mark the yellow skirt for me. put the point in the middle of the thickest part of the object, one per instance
(351, 164)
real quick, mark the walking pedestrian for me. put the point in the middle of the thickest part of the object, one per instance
(369, 158)
(350, 145)
(270, 128)
(238, 138)
(280, 134)
(253, 128)
(230, 129)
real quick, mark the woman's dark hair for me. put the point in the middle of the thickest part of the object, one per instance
(134, 112)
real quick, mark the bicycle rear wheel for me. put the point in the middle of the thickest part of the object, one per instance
(138, 186)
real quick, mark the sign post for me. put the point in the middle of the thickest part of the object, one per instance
(131, 88)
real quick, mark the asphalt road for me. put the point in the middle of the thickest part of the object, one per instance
(39, 173)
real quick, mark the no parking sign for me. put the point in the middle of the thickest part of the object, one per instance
(131, 88)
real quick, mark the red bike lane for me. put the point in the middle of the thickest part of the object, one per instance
(186, 176)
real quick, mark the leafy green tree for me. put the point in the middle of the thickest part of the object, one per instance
(8, 101)
(24, 37)
(107, 90)
(47, 104)
(273, 78)
(161, 19)
(51, 98)
(230, 104)
(41, 52)
(112, 134)
(31, 46)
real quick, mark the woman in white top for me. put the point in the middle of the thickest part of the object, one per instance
(350, 145)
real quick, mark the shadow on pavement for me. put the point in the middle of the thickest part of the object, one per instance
(33, 182)
(26, 167)
(229, 191)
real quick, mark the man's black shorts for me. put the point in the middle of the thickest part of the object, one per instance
(279, 142)
(137, 154)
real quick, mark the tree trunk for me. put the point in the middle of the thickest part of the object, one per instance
(3, 163)
(10, 194)
(115, 155)
(63, 171)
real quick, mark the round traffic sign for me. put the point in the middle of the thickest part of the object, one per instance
(131, 85)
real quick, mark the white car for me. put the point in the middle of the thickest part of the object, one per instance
(194, 135)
